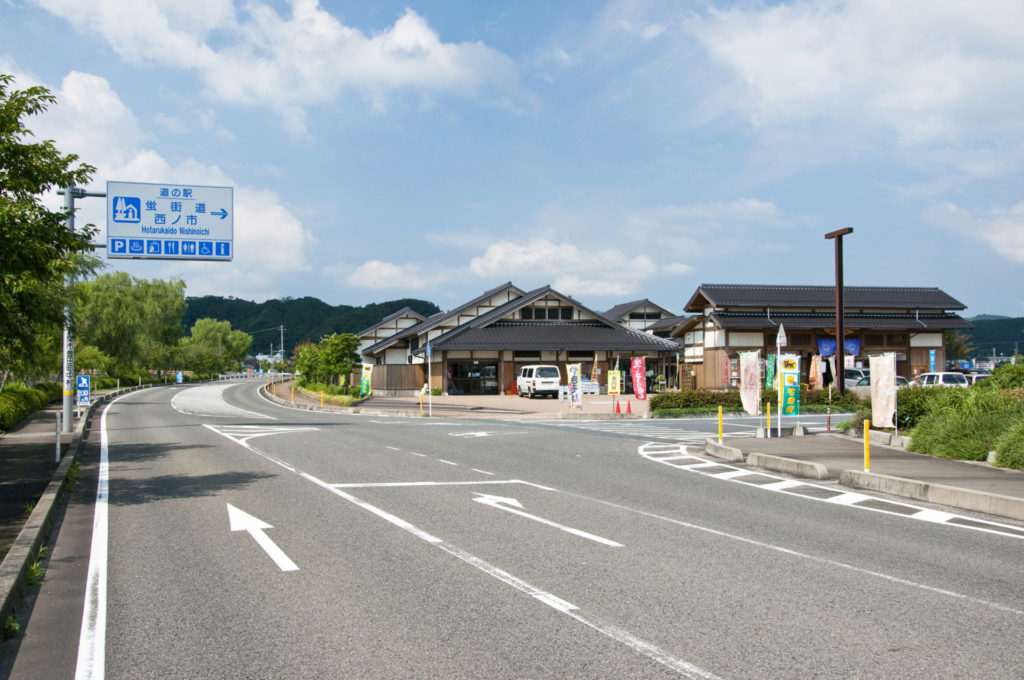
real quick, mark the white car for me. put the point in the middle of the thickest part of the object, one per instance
(863, 387)
(852, 376)
(538, 379)
(944, 379)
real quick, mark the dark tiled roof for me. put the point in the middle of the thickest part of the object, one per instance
(619, 311)
(819, 297)
(667, 323)
(404, 311)
(909, 322)
(584, 336)
(436, 319)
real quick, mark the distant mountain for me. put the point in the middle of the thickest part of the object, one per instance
(305, 318)
(1001, 333)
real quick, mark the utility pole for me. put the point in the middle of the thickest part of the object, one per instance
(840, 309)
(70, 194)
(282, 342)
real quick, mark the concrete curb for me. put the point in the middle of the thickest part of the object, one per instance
(729, 453)
(14, 568)
(940, 494)
(789, 466)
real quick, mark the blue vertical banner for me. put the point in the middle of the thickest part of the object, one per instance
(931, 361)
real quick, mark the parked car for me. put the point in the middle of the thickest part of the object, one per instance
(944, 379)
(538, 379)
(853, 375)
(863, 387)
(975, 377)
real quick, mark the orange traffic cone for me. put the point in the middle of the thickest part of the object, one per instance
(629, 408)
(617, 406)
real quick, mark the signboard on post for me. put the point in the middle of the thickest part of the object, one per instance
(614, 382)
(83, 390)
(790, 384)
(170, 221)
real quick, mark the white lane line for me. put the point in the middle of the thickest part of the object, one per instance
(393, 448)
(446, 462)
(813, 558)
(848, 498)
(421, 455)
(384, 485)
(483, 472)
(92, 639)
(649, 650)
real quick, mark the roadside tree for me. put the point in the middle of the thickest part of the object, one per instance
(37, 252)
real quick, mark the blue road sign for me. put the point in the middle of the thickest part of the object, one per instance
(82, 389)
(169, 221)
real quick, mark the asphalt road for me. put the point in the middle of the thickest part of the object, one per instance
(406, 547)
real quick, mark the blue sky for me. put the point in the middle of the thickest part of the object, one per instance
(615, 151)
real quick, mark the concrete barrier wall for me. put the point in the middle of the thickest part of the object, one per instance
(789, 466)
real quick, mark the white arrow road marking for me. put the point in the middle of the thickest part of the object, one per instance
(243, 521)
(510, 505)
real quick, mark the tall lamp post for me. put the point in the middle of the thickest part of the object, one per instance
(840, 310)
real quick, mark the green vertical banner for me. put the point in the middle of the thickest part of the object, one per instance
(769, 372)
(790, 371)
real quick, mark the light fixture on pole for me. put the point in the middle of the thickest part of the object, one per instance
(840, 310)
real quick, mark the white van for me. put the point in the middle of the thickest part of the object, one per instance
(538, 379)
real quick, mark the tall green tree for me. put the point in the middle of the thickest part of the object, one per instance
(331, 360)
(213, 347)
(135, 322)
(37, 252)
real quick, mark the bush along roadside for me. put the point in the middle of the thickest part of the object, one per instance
(684, 402)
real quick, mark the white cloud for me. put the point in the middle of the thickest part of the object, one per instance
(286, 63)
(379, 275)
(928, 70)
(1001, 229)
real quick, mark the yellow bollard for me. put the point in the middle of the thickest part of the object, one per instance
(321, 397)
(867, 447)
(719, 423)
(275, 389)
(768, 430)
(293, 395)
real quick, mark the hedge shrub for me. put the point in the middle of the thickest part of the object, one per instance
(704, 399)
(1010, 447)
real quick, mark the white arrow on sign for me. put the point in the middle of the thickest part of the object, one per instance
(510, 505)
(243, 521)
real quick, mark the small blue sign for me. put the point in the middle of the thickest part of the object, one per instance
(136, 246)
(179, 378)
(223, 248)
(82, 389)
(126, 209)
(170, 247)
(119, 245)
(153, 246)
(188, 247)
(205, 248)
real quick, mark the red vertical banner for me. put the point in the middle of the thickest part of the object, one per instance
(638, 370)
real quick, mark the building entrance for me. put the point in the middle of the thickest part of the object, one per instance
(472, 377)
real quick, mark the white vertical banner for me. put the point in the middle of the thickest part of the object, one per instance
(573, 372)
(883, 389)
(750, 382)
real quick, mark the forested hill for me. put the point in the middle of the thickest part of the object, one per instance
(304, 318)
(1000, 333)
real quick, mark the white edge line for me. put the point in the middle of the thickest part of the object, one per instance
(92, 639)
